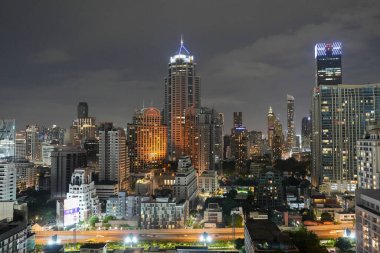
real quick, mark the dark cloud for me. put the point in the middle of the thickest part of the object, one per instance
(114, 54)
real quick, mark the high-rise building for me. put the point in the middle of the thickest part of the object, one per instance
(255, 143)
(147, 139)
(239, 142)
(83, 128)
(367, 206)
(269, 192)
(368, 163)
(20, 144)
(290, 138)
(329, 63)
(275, 135)
(64, 160)
(202, 137)
(7, 138)
(306, 132)
(341, 114)
(182, 90)
(113, 162)
(185, 186)
(82, 110)
(33, 144)
(26, 174)
(8, 181)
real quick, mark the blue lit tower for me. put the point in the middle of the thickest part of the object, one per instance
(329, 63)
(182, 90)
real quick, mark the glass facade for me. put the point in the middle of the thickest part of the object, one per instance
(329, 63)
(7, 138)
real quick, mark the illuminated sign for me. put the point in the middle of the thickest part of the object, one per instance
(70, 212)
(324, 49)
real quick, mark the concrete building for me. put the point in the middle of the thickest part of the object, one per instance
(46, 149)
(13, 237)
(291, 134)
(106, 189)
(182, 90)
(83, 128)
(93, 248)
(21, 144)
(147, 139)
(341, 115)
(306, 133)
(368, 163)
(163, 213)
(213, 213)
(239, 142)
(185, 186)
(275, 135)
(263, 236)
(208, 182)
(367, 220)
(8, 180)
(82, 187)
(113, 162)
(269, 193)
(64, 159)
(26, 174)
(33, 143)
(123, 206)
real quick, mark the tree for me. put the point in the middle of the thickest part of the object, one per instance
(239, 243)
(308, 215)
(93, 220)
(108, 218)
(343, 244)
(326, 217)
(307, 241)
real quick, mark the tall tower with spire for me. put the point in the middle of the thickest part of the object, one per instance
(182, 90)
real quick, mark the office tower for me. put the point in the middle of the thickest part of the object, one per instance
(82, 110)
(33, 144)
(64, 160)
(329, 63)
(113, 162)
(368, 162)
(219, 139)
(290, 138)
(182, 90)
(83, 128)
(7, 138)
(92, 149)
(227, 146)
(185, 186)
(341, 114)
(238, 119)
(275, 135)
(82, 188)
(55, 135)
(255, 143)
(7, 181)
(239, 143)
(20, 144)
(367, 205)
(202, 134)
(147, 139)
(306, 132)
(298, 142)
(26, 174)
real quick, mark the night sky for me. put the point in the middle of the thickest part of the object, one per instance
(114, 55)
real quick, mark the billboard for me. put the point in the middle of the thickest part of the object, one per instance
(70, 212)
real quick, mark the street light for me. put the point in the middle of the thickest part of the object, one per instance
(130, 239)
(205, 238)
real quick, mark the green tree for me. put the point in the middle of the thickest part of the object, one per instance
(108, 218)
(239, 243)
(307, 241)
(94, 219)
(343, 244)
(326, 217)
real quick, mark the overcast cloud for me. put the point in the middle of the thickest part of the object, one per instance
(114, 54)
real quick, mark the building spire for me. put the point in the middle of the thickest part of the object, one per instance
(270, 110)
(181, 41)
(182, 49)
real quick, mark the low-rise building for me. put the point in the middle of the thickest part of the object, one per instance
(263, 236)
(344, 217)
(208, 182)
(106, 189)
(163, 212)
(213, 213)
(93, 248)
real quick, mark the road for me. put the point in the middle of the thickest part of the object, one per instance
(179, 235)
(330, 231)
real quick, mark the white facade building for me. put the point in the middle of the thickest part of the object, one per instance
(368, 162)
(125, 207)
(185, 186)
(164, 213)
(7, 181)
(367, 220)
(208, 182)
(46, 149)
(83, 188)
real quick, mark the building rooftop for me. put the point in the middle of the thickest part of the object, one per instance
(374, 194)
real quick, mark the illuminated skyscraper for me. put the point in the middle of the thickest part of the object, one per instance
(113, 162)
(7, 138)
(341, 115)
(329, 63)
(83, 128)
(147, 139)
(275, 135)
(306, 132)
(182, 90)
(239, 143)
(33, 143)
(290, 138)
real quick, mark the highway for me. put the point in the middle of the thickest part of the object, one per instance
(178, 235)
(330, 231)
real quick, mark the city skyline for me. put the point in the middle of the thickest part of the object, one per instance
(110, 60)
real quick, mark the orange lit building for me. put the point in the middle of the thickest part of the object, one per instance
(147, 139)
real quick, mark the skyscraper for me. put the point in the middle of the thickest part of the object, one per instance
(113, 162)
(33, 144)
(290, 138)
(239, 142)
(7, 138)
(329, 63)
(341, 114)
(83, 128)
(275, 135)
(7, 181)
(306, 132)
(238, 119)
(147, 139)
(182, 90)
(82, 110)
